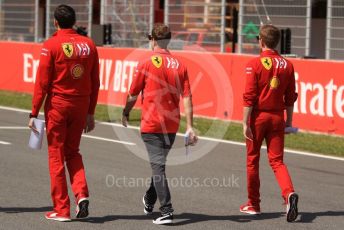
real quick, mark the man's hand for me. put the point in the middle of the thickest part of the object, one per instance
(247, 132)
(90, 124)
(287, 124)
(192, 137)
(32, 125)
(131, 100)
(246, 123)
(125, 120)
(290, 129)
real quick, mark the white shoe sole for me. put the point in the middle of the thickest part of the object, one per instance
(60, 219)
(250, 212)
(163, 222)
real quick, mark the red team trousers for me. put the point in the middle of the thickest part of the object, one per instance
(65, 120)
(269, 126)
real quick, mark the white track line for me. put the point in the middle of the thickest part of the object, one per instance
(178, 134)
(202, 138)
(239, 143)
(14, 127)
(84, 135)
(15, 109)
(108, 140)
(4, 143)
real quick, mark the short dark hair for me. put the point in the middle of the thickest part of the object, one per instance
(65, 16)
(270, 35)
(162, 34)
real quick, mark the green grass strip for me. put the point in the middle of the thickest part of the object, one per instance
(323, 144)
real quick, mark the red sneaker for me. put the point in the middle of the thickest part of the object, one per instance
(249, 209)
(56, 216)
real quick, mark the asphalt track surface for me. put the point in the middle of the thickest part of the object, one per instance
(210, 203)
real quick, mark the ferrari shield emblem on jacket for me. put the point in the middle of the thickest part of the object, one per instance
(68, 49)
(157, 61)
(266, 62)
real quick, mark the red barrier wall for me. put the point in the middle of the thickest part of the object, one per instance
(217, 82)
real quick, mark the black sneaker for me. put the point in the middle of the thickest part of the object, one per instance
(292, 211)
(82, 208)
(148, 209)
(166, 218)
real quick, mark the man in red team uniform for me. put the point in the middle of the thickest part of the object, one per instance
(162, 79)
(270, 89)
(68, 80)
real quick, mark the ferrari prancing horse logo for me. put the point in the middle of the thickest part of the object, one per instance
(157, 61)
(266, 62)
(67, 49)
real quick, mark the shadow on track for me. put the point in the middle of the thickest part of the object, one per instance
(24, 209)
(308, 217)
(184, 218)
(190, 218)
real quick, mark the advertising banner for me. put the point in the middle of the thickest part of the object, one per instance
(217, 82)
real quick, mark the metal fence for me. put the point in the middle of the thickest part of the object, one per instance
(131, 21)
(204, 25)
(335, 30)
(18, 20)
(83, 10)
(293, 14)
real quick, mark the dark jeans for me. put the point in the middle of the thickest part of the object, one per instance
(158, 146)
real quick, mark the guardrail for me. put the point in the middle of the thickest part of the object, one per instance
(293, 14)
(335, 30)
(18, 20)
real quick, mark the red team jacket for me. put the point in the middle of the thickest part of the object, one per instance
(270, 83)
(162, 79)
(68, 66)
